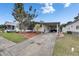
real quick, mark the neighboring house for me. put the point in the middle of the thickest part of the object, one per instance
(11, 26)
(45, 26)
(72, 27)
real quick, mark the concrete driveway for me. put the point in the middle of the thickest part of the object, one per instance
(40, 45)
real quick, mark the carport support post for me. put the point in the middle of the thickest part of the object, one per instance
(57, 29)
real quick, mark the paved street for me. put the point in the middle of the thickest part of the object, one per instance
(40, 45)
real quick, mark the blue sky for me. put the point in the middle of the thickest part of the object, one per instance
(49, 12)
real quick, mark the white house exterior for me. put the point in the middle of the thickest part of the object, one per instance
(46, 27)
(11, 26)
(73, 27)
(43, 29)
(49, 26)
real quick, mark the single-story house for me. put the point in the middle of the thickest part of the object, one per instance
(11, 26)
(46, 26)
(49, 26)
(72, 27)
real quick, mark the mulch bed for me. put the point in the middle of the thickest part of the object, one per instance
(28, 34)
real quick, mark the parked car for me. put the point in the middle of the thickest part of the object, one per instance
(53, 30)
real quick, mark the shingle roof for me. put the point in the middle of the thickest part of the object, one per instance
(9, 23)
(72, 22)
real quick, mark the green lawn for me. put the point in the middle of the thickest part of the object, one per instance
(63, 46)
(13, 37)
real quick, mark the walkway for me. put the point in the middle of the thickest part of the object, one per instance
(4, 44)
(40, 45)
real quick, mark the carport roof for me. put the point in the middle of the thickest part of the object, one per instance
(50, 23)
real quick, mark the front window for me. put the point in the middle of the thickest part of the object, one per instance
(13, 27)
(77, 27)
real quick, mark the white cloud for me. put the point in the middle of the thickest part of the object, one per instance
(47, 8)
(67, 5)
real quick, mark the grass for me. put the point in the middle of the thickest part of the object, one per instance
(13, 37)
(64, 45)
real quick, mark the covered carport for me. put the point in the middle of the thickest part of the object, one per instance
(52, 26)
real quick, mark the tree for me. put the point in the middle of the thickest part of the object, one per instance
(37, 27)
(69, 22)
(2, 27)
(31, 14)
(24, 18)
(32, 25)
(77, 17)
(62, 25)
(19, 14)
